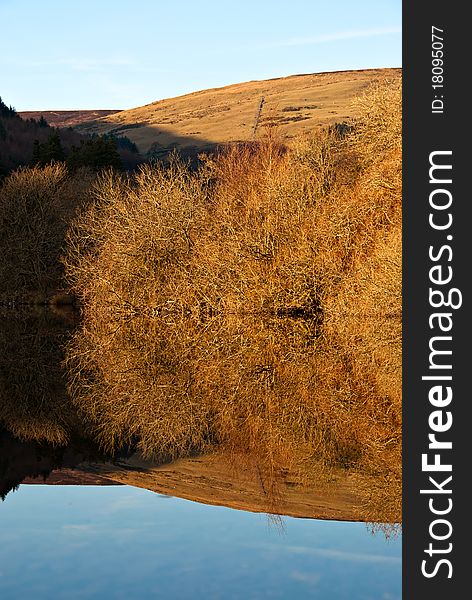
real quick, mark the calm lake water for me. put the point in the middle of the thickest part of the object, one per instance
(107, 542)
(74, 542)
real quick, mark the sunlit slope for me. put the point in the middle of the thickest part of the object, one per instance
(296, 104)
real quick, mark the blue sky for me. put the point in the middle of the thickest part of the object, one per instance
(90, 543)
(60, 54)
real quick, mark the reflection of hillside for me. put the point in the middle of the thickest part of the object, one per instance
(20, 459)
(70, 476)
(211, 479)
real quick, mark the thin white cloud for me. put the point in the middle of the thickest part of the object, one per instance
(135, 498)
(331, 553)
(78, 527)
(335, 37)
(343, 555)
(311, 578)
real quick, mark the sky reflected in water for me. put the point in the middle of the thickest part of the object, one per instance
(73, 542)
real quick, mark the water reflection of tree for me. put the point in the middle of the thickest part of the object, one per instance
(20, 459)
(241, 385)
(39, 427)
(33, 399)
(270, 393)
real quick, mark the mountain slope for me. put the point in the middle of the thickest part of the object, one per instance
(65, 118)
(200, 120)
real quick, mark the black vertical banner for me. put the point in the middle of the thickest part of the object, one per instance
(436, 328)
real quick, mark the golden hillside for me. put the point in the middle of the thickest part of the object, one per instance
(296, 104)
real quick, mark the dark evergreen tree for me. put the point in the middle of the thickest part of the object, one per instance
(42, 122)
(96, 153)
(7, 111)
(36, 153)
(122, 142)
(49, 151)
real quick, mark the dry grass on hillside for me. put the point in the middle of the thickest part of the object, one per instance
(253, 306)
(63, 119)
(297, 105)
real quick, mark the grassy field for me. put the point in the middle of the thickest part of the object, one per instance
(296, 105)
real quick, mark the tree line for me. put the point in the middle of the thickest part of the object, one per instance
(33, 142)
(95, 153)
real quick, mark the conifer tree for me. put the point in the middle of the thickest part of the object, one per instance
(49, 151)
